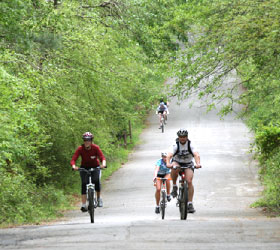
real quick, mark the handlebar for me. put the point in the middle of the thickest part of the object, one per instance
(184, 167)
(89, 170)
(162, 178)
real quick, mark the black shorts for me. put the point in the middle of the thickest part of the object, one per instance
(95, 179)
(160, 112)
(186, 165)
(162, 175)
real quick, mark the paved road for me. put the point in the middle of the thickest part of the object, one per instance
(224, 189)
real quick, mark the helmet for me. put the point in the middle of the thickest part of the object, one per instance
(182, 132)
(87, 136)
(162, 104)
(163, 154)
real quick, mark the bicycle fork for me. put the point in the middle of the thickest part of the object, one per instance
(163, 192)
(91, 186)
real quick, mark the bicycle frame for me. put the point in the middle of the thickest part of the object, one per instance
(90, 192)
(182, 198)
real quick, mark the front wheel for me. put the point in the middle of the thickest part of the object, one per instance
(91, 204)
(162, 204)
(183, 202)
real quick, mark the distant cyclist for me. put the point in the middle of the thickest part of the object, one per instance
(162, 110)
(161, 171)
(164, 100)
(183, 152)
(91, 155)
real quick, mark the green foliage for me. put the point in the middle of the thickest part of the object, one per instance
(64, 70)
(268, 141)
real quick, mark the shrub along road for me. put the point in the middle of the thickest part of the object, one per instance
(224, 189)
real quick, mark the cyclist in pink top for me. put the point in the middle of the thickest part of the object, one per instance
(91, 156)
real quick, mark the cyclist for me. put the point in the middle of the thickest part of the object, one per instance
(183, 152)
(161, 171)
(91, 155)
(162, 110)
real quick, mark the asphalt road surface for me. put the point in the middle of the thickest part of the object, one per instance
(224, 189)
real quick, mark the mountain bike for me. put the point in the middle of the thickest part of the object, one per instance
(163, 201)
(183, 196)
(91, 194)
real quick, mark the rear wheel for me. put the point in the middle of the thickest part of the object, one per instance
(162, 204)
(91, 204)
(183, 205)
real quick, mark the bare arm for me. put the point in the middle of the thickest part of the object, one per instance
(156, 171)
(197, 159)
(168, 159)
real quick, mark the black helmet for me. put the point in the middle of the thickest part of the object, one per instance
(182, 132)
(87, 136)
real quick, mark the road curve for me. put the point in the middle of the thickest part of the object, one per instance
(224, 189)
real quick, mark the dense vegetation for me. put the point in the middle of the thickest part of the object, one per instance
(67, 67)
(75, 65)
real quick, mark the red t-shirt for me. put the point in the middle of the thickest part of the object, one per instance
(90, 158)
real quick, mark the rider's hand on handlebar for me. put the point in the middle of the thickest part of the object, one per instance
(74, 168)
(102, 166)
(198, 166)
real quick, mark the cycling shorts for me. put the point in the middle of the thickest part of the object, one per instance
(162, 175)
(187, 165)
(95, 179)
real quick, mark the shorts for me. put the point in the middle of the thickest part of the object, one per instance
(187, 165)
(95, 179)
(162, 174)
(160, 112)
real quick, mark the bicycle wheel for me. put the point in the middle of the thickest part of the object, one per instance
(162, 204)
(184, 202)
(91, 204)
(162, 127)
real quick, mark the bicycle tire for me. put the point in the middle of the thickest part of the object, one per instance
(162, 127)
(162, 204)
(91, 204)
(183, 205)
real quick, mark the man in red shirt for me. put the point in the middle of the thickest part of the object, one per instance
(91, 155)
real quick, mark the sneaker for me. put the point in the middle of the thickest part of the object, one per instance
(99, 202)
(174, 191)
(157, 210)
(84, 209)
(159, 127)
(191, 208)
(168, 198)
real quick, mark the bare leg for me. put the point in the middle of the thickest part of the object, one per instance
(157, 194)
(174, 173)
(189, 178)
(168, 176)
(84, 198)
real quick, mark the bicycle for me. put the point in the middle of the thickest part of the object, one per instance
(163, 201)
(91, 195)
(183, 197)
